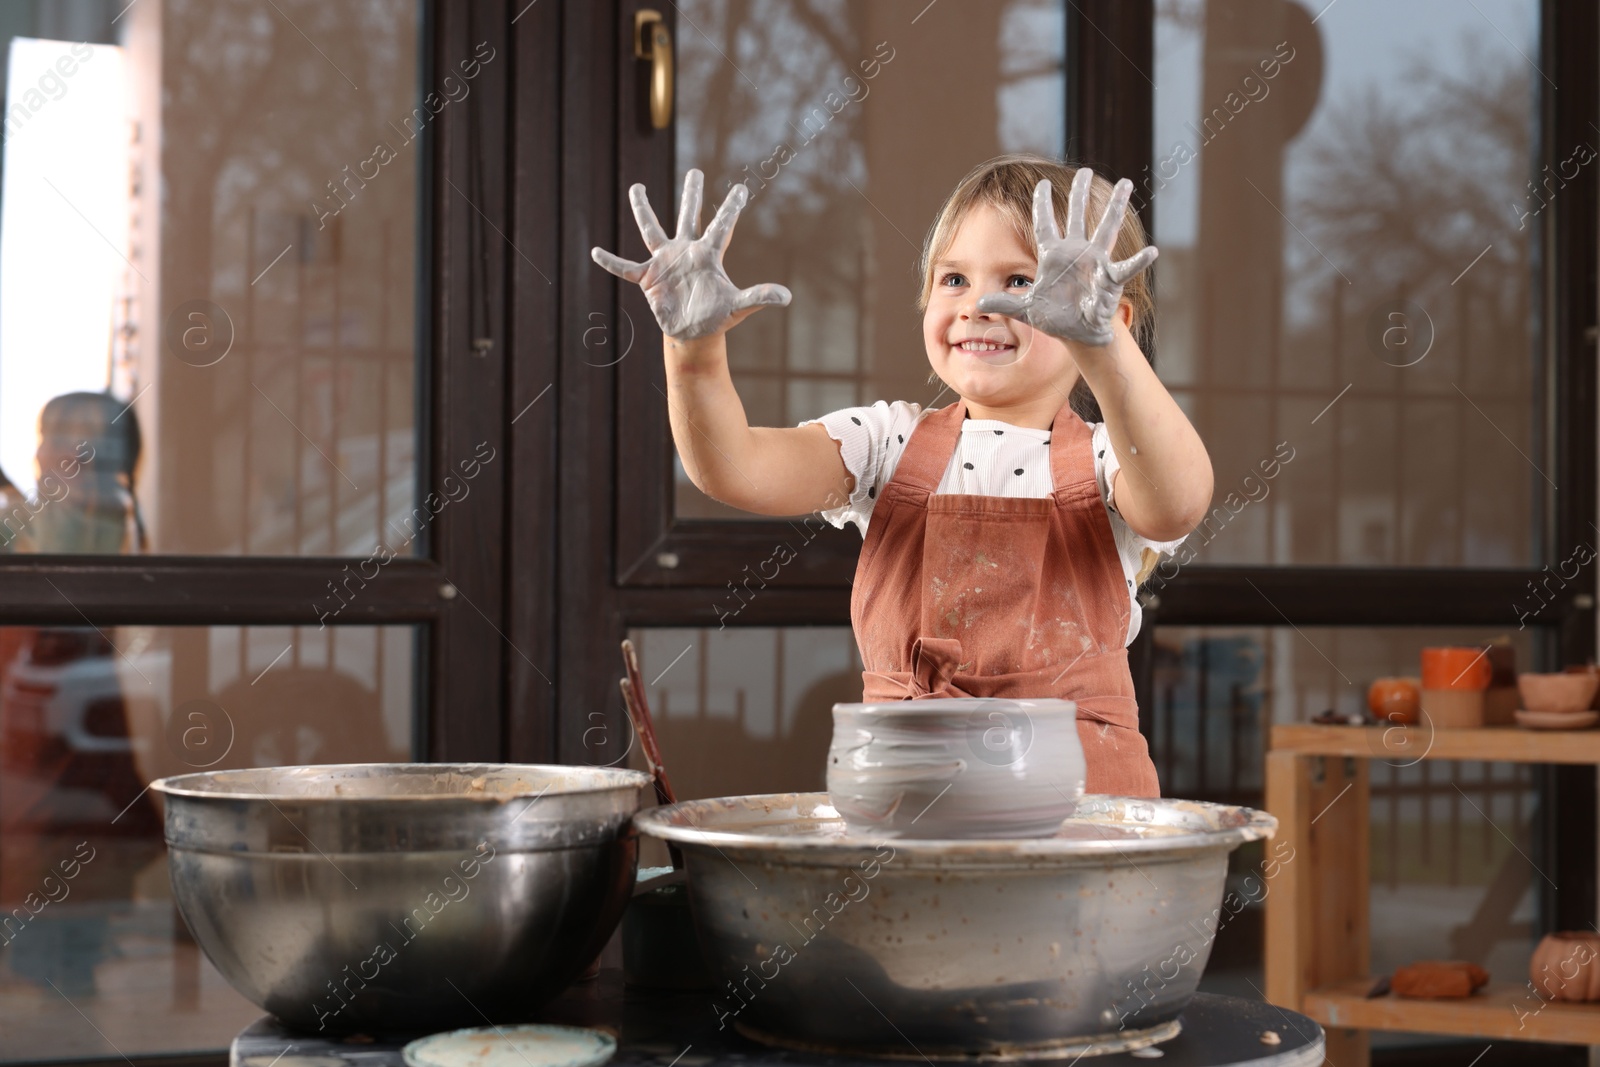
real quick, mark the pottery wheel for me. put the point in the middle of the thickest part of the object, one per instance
(655, 1029)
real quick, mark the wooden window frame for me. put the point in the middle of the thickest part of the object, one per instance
(484, 232)
(461, 402)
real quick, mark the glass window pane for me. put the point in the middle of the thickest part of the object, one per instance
(208, 278)
(88, 718)
(823, 112)
(1451, 841)
(1334, 280)
(740, 711)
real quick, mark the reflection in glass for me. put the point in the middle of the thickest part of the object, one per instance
(84, 500)
(747, 710)
(1346, 225)
(832, 115)
(88, 718)
(208, 217)
(740, 711)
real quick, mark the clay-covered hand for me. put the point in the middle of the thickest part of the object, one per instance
(1078, 286)
(683, 279)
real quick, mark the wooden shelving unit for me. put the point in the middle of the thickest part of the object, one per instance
(1318, 952)
(1401, 744)
(1501, 1012)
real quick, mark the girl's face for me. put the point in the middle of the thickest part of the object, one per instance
(990, 360)
(1003, 368)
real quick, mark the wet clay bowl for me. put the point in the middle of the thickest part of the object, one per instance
(1092, 940)
(1560, 693)
(402, 898)
(955, 768)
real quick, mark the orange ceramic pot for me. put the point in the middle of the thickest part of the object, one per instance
(1566, 966)
(1395, 700)
(1456, 668)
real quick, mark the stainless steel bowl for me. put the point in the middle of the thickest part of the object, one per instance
(1091, 940)
(402, 897)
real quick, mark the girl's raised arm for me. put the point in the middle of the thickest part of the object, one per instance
(1077, 297)
(770, 471)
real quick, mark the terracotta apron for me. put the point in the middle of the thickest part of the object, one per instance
(986, 596)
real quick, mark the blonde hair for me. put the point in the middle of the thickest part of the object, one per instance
(1006, 184)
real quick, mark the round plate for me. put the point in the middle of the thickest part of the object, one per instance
(1557, 720)
(512, 1046)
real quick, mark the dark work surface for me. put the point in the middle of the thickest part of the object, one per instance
(658, 1029)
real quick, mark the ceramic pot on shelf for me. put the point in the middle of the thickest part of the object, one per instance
(1592, 671)
(1460, 668)
(1501, 700)
(1500, 704)
(1395, 700)
(1454, 681)
(1566, 966)
(1453, 708)
(1558, 693)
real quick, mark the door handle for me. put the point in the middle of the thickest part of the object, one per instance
(651, 42)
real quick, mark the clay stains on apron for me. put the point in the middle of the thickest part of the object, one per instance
(962, 595)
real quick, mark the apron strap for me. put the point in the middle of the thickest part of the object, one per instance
(1072, 456)
(933, 442)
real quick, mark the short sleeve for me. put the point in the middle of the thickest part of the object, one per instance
(1140, 555)
(871, 441)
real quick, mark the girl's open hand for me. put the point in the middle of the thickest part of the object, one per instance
(683, 279)
(1078, 287)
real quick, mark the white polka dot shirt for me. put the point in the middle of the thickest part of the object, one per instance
(992, 458)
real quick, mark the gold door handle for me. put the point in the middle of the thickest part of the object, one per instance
(650, 42)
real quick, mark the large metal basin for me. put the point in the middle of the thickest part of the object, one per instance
(402, 897)
(1093, 939)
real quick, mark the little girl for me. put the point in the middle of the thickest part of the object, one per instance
(1003, 545)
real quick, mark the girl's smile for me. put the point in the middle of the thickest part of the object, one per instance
(989, 351)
